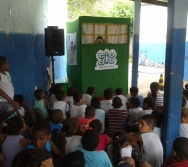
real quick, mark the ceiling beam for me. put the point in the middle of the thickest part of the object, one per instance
(155, 2)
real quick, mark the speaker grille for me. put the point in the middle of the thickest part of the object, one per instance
(54, 41)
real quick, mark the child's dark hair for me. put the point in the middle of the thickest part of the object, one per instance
(186, 86)
(70, 91)
(74, 159)
(56, 88)
(117, 102)
(90, 90)
(18, 98)
(134, 90)
(14, 125)
(55, 116)
(90, 112)
(119, 91)
(38, 93)
(42, 126)
(118, 139)
(150, 120)
(77, 96)
(3, 60)
(183, 101)
(60, 95)
(96, 125)
(135, 101)
(150, 101)
(154, 87)
(108, 94)
(31, 157)
(185, 93)
(90, 140)
(180, 146)
(184, 112)
(159, 117)
(70, 126)
(95, 102)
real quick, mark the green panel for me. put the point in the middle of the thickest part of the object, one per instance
(102, 79)
(84, 74)
(74, 71)
(88, 19)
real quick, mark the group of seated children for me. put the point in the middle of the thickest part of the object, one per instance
(107, 131)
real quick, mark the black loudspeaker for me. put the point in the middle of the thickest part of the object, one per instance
(54, 41)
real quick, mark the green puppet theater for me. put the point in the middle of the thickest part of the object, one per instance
(98, 53)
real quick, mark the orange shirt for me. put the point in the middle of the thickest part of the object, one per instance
(83, 124)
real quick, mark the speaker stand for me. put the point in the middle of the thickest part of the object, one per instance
(53, 76)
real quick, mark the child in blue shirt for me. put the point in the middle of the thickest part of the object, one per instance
(93, 158)
(42, 138)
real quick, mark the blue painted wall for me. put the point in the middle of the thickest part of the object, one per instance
(22, 26)
(156, 52)
(28, 63)
(186, 63)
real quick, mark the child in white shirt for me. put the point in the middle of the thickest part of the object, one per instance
(184, 123)
(148, 105)
(151, 144)
(7, 105)
(119, 148)
(134, 109)
(106, 103)
(60, 103)
(119, 93)
(77, 109)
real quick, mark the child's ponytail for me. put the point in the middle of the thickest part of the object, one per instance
(119, 138)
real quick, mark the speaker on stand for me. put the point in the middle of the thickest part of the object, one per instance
(54, 44)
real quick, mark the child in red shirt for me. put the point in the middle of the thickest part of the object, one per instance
(84, 121)
(104, 139)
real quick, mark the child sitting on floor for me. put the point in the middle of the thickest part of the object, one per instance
(56, 123)
(104, 139)
(154, 87)
(69, 95)
(14, 142)
(84, 121)
(93, 158)
(99, 114)
(116, 117)
(119, 93)
(77, 109)
(53, 90)
(60, 103)
(32, 158)
(7, 105)
(134, 93)
(42, 138)
(120, 148)
(40, 102)
(148, 105)
(88, 96)
(179, 155)
(67, 138)
(134, 109)
(159, 121)
(106, 103)
(184, 123)
(74, 159)
(22, 111)
(148, 140)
